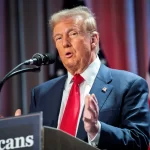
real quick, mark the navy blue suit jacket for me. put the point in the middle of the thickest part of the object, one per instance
(123, 108)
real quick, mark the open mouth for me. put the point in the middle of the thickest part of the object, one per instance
(69, 54)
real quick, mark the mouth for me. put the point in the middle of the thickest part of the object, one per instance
(68, 55)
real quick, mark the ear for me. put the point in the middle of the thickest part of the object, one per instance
(94, 39)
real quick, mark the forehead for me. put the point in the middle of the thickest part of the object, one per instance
(66, 24)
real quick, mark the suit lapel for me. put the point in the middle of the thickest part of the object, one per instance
(53, 102)
(101, 88)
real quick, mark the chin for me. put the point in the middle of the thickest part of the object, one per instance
(71, 67)
(70, 64)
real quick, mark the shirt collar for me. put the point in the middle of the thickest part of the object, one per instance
(89, 74)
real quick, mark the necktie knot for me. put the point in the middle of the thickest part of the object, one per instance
(78, 79)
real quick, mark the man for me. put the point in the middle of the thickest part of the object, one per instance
(113, 105)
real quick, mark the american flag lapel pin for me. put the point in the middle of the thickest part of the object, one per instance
(104, 89)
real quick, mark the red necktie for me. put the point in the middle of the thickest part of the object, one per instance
(71, 113)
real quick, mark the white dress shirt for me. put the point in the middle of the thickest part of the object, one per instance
(89, 76)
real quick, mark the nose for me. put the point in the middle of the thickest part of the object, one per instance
(66, 42)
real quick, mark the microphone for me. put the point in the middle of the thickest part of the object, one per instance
(37, 59)
(41, 59)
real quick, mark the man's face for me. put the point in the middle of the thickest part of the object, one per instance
(73, 45)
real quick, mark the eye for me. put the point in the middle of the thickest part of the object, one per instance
(73, 34)
(57, 38)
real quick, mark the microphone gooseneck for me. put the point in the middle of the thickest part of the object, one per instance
(37, 60)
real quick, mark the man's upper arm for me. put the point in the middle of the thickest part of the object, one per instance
(132, 132)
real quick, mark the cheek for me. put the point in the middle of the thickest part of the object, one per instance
(59, 48)
(81, 45)
(84, 48)
(60, 55)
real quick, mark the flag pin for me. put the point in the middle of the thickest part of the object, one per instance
(104, 89)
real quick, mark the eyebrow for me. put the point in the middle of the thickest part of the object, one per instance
(69, 30)
(58, 34)
(72, 29)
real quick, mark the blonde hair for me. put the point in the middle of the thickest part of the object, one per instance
(89, 22)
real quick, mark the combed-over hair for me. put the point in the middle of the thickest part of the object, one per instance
(89, 22)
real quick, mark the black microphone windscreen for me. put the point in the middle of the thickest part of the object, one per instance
(48, 58)
(41, 59)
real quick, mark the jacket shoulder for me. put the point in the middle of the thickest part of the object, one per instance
(50, 83)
